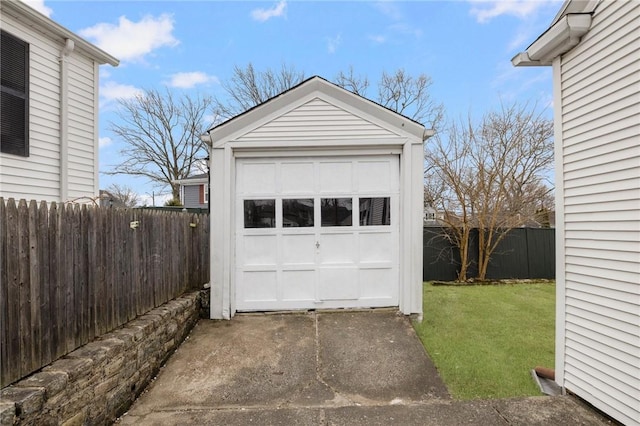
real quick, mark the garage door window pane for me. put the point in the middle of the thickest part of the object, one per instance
(375, 211)
(297, 213)
(336, 211)
(259, 213)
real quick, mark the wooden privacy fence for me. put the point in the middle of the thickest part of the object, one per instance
(524, 253)
(69, 273)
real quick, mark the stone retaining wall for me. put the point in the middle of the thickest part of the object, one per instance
(97, 382)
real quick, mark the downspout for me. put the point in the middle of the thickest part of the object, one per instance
(69, 45)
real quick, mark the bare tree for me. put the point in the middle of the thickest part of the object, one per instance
(248, 88)
(161, 133)
(400, 92)
(450, 187)
(123, 195)
(354, 83)
(490, 176)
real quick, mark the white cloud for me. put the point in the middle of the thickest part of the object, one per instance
(39, 6)
(514, 83)
(389, 9)
(104, 142)
(378, 38)
(522, 37)
(333, 43)
(265, 14)
(111, 91)
(187, 80)
(131, 41)
(404, 28)
(486, 10)
(399, 25)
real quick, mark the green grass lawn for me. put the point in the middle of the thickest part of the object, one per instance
(486, 339)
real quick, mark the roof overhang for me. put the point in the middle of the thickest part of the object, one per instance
(561, 37)
(191, 181)
(314, 86)
(35, 19)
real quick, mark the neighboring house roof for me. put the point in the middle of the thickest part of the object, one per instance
(194, 180)
(107, 199)
(32, 17)
(255, 117)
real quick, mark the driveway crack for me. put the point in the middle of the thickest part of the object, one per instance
(500, 414)
(338, 398)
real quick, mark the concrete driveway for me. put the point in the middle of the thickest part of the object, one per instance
(337, 368)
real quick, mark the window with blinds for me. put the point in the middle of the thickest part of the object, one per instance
(14, 99)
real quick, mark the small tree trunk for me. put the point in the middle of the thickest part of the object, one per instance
(484, 252)
(464, 254)
(482, 271)
(175, 192)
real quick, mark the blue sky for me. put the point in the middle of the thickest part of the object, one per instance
(464, 46)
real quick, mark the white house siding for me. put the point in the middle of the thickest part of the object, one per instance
(82, 133)
(317, 119)
(36, 176)
(191, 196)
(600, 90)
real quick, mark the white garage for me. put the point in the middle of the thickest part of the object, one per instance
(316, 203)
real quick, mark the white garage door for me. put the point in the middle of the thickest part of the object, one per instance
(317, 233)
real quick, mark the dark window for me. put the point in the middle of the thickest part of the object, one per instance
(14, 89)
(297, 213)
(336, 211)
(259, 213)
(375, 211)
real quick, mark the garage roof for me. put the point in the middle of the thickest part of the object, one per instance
(296, 95)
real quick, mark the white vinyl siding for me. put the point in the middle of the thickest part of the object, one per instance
(81, 134)
(38, 175)
(600, 81)
(317, 119)
(191, 196)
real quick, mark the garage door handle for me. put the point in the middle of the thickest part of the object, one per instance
(317, 244)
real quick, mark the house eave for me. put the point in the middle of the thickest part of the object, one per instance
(37, 20)
(560, 38)
(191, 182)
(313, 86)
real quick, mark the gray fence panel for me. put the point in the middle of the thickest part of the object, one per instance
(510, 260)
(525, 253)
(440, 258)
(542, 253)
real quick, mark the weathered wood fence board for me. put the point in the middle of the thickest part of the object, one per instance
(69, 273)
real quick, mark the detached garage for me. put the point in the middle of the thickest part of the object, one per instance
(316, 203)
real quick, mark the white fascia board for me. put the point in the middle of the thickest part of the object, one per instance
(316, 87)
(576, 6)
(309, 144)
(188, 182)
(563, 36)
(32, 17)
